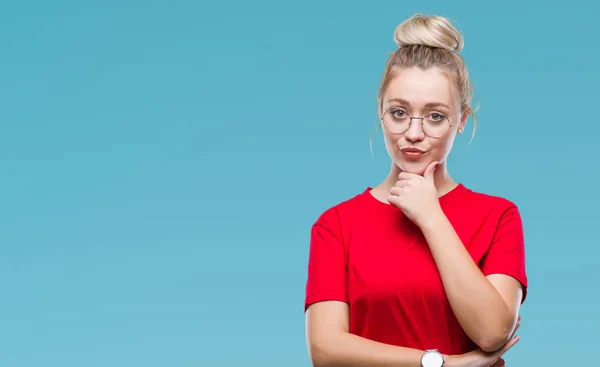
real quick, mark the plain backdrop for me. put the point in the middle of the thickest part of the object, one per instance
(161, 163)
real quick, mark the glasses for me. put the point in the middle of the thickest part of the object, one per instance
(397, 121)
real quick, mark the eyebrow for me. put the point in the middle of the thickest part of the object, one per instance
(430, 104)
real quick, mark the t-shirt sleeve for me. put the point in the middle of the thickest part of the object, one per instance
(327, 272)
(507, 252)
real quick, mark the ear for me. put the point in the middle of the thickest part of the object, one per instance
(463, 119)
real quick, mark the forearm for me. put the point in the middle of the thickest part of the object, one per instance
(349, 350)
(478, 306)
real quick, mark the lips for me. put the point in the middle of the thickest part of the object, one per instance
(412, 152)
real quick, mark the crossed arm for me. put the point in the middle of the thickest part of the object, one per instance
(487, 308)
(489, 319)
(330, 344)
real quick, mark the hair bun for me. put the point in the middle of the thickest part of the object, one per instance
(429, 30)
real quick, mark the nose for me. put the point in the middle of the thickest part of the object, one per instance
(415, 131)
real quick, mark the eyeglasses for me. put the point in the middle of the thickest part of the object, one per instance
(397, 121)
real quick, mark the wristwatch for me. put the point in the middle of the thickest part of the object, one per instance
(432, 358)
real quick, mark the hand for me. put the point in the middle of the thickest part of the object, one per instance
(479, 358)
(416, 195)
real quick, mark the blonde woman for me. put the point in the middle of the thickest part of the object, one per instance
(419, 270)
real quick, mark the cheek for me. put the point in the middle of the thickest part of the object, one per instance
(442, 147)
(391, 143)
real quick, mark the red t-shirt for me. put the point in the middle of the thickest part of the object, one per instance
(370, 255)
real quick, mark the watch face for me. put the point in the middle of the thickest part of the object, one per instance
(432, 359)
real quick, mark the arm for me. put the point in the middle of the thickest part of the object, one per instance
(490, 317)
(330, 343)
(328, 339)
(486, 307)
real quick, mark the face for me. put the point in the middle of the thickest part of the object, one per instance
(419, 93)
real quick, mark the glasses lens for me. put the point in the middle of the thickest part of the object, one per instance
(396, 120)
(436, 125)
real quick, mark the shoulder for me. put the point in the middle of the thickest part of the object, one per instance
(337, 213)
(487, 201)
(476, 209)
(491, 217)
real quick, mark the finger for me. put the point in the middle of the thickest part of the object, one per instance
(430, 170)
(511, 343)
(499, 363)
(393, 199)
(396, 190)
(516, 328)
(408, 176)
(402, 183)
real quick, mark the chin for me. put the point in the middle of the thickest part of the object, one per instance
(417, 167)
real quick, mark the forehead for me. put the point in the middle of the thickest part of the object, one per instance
(420, 87)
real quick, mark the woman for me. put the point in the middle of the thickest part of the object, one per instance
(419, 270)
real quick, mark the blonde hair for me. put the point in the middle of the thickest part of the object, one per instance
(427, 41)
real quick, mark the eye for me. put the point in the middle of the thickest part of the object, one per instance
(398, 113)
(435, 116)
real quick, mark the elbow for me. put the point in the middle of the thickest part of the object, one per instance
(492, 344)
(493, 341)
(320, 354)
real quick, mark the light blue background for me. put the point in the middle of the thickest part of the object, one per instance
(162, 162)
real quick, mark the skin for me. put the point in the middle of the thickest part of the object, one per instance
(414, 185)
